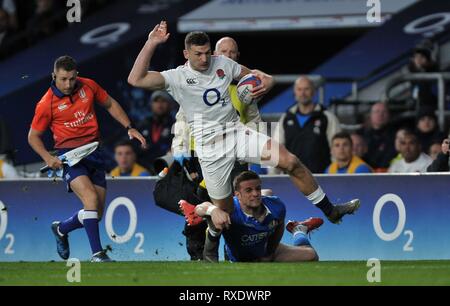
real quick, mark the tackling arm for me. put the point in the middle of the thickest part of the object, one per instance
(220, 218)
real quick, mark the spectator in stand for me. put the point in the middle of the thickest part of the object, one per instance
(427, 128)
(360, 147)
(125, 157)
(422, 61)
(379, 136)
(398, 139)
(157, 129)
(48, 18)
(345, 162)
(442, 161)
(7, 169)
(413, 159)
(10, 7)
(306, 129)
(435, 149)
(5, 35)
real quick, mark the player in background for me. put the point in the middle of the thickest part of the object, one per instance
(254, 228)
(67, 108)
(201, 88)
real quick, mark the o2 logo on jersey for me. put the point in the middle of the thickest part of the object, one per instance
(212, 96)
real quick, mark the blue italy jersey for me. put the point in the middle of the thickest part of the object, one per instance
(247, 238)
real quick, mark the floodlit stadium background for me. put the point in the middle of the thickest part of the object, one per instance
(354, 62)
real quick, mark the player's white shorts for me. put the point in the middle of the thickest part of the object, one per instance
(217, 157)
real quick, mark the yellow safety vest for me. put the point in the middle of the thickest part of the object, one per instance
(354, 164)
(137, 170)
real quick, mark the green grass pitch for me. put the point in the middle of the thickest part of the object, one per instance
(223, 274)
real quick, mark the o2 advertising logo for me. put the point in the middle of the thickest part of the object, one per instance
(212, 96)
(130, 233)
(3, 226)
(399, 229)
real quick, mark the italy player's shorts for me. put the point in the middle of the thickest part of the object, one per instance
(238, 143)
(93, 166)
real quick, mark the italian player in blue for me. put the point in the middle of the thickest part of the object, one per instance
(253, 230)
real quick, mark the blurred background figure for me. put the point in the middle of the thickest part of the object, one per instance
(442, 161)
(435, 149)
(307, 128)
(157, 129)
(360, 147)
(413, 159)
(7, 169)
(10, 8)
(6, 35)
(398, 142)
(423, 92)
(345, 161)
(125, 157)
(379, 136)
(427, 129)
(48, 18)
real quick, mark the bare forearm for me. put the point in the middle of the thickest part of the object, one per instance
(142, 64)
(117, 112)
(38, 146)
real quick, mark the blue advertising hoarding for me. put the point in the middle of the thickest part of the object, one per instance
(401, 217)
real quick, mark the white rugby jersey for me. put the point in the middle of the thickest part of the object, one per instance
(204, 93)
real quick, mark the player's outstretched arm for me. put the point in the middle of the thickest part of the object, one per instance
(35, 141)
(117, 112)
(220, 218)
(139, 75)
(267, 81)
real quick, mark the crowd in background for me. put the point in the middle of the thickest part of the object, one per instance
(307, 129)
(23, 23)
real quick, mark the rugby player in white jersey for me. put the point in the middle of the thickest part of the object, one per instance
(201, 88)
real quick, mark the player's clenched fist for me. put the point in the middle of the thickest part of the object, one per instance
(159, 33)
(267, 82)
(220, 219)
(54, 162)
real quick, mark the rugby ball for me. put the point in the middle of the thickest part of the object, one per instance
(245, 86)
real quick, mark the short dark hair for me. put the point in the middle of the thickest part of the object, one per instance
(66, 63)
(413, 134)
(125, 143)
(196, 38)
(342, 135)
(244, 176)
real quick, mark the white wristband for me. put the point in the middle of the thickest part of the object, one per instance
(210, 210)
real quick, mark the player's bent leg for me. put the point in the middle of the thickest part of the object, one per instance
(288, 162)
(86, 192)
(224, 204)
(305, 182)
(89, 196)
(288, 253)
